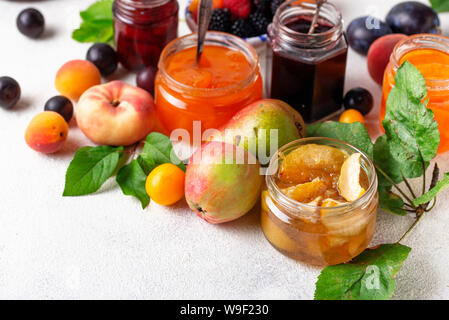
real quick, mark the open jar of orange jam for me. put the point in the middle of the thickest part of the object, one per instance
(226, 79)
(430, 54)
(320, 204)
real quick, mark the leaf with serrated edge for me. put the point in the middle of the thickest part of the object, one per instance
(353, 133)
(370, 276)
(131, 179)
(391, 202)
(159, 148)
(432, 193)
(412, 132)
(90, 168)
(385, 161)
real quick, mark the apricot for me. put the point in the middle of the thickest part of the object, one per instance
(165, 184)
(379, 55)
(75, 77)
(46, 132)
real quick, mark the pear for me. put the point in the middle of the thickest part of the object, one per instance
(263, 127)
(223, 182)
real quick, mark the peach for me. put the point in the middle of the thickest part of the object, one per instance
(115, 113)
(379, 55)
(46, 132)
(223, 182)
(75, 77)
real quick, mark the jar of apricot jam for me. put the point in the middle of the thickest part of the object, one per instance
(142, 29)
(313, 209)
(308, 70)
(210, 92)
(430, 54)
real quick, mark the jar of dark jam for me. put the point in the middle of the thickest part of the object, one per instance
(142, 29)
(308, 70)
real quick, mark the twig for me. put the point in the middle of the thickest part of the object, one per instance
(411, 227)
(410, 202)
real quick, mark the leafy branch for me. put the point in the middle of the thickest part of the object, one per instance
(404, 152)
(92, 166)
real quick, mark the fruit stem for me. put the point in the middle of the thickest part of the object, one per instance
(408, 185)
(115, 103)
(411, 227)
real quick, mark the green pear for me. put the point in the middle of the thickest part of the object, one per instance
(263, 127)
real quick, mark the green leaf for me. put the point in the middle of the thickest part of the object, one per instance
(146, 163)
(440, 5)
(97, 23)
(391, 202)
(90, 168)
(370, 276)
(131, 179)
(385, 161)
(432, 193)
(412, 133)
(100, 10)
(159, 149)
(353, 133)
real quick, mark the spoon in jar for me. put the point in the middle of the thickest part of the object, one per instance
(204, 15)
(319, 4)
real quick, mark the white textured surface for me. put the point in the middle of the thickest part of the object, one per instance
(105, 246)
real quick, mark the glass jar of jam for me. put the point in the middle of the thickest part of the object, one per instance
(142, 29)
(226, 79)
(304, 214)
(308, 70)
(430, 54)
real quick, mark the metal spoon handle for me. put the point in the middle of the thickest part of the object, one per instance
(319, 4)
(204, 15)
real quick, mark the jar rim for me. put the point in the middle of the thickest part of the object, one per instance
(292, 204)
(426, 41)
(216, 38)
(322, 38)
(144, 3)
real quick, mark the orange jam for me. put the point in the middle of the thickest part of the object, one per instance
(430, 54)
(225, 80)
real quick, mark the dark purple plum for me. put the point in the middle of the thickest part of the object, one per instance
(30, 23)
(104, 57)
(9, 92)
(363, 31)
(61, 105)
(145, 79)
(359, 99)
(413, 17)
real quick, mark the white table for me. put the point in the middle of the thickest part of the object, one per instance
(105, 246)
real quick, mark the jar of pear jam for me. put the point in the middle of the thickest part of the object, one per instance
(205, 95)
(429, 53)
(324, 228)
(142, 29)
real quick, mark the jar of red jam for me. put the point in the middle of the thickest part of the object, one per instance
(142, 29)
(308, 70)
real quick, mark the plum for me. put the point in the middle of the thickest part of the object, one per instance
(222, 182)
(412, 17)
(363, 31)
(359, 99)
(379, 55)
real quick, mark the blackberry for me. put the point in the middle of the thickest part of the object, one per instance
(221, 20)
(259, 22)
(263, 6)
(275, 4)
(242, 28)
